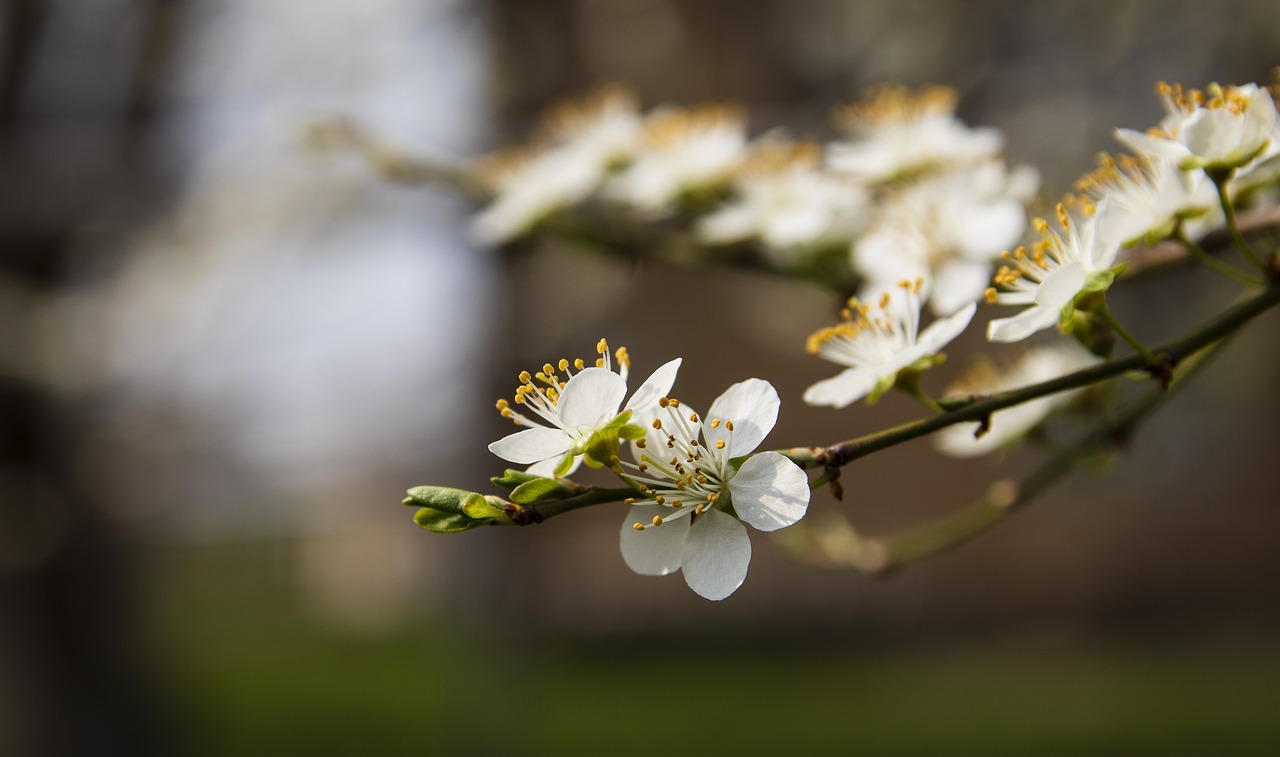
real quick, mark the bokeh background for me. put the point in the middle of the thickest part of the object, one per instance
(223, 357)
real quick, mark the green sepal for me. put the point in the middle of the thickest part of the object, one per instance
(564, 465)
(883, 385)
(1101, 281)
(631, 432)
(441, 522)
(539, 489)
(604, 443)
(1095, 334)
(512, 478)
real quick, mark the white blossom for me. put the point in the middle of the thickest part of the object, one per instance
(787, 202)
(947, 230)
(683, 150)
(896, 132)
(1145, 195)
(580, 142)
(1225, 126)
(1048, 277)
(574, 408)
(875, 343)
(1012, 423)
(695, 498)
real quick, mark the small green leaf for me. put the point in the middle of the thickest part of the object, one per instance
(479, 507)
(511, 478)
(440, 498)
(565, 464)
(538, 490)
(447, 523)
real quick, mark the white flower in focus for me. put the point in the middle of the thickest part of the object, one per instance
(1224, 127)
(786, 201)
(876, 343)
(1144, 195)
(948, 230)
(1048, 277)
(683, 150)
(579, 144)
(1006, 426)
(573, 409)
(897, 132)
(694, 497)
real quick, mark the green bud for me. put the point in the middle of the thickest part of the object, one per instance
(511, 478)
(539, 489)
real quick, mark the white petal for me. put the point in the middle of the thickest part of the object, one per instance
(547, 468)
(942, 331)
(533, 445)
(653, 551)
(1156, 147)
(1024, 324)
(716, 555)
(1061, 286)
(591, 397)
(987, 229)
(958, 283)
(843, 389)
(770, 492)
(657, 386)
(752, 406)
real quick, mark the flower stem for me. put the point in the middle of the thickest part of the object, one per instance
(845, 452)
(1229, 212)
(1105, 314)
(909, 382)
(1199, 253)
(876, 554)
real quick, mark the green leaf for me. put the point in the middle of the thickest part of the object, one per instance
(479, 507)
(538, 490)
(440, 498)
(447, 523)
(565, 464)
(511, 478)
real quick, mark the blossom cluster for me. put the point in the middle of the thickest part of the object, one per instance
(924, 216)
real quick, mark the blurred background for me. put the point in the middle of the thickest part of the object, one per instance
(223, 358)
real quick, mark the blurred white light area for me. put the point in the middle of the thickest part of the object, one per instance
(302, 315)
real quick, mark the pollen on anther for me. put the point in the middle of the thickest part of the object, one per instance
(728, 425)
(657, 423)
(563, 364)
(640, 443)
(638, 526)
(663, 402)
(657, 520)
(719, 443)
(693, 417)
(525, 377)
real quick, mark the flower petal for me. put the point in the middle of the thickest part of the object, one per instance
(533, 445)
(591, 397)
(842, 389)
(547, 468)
(940, 333)
(654, 388)
(716, 555)
(752, 406)
(1024, 324)
(770, 492)
(956, 284)
(653, 551)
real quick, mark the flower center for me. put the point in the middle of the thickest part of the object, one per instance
(540, 392)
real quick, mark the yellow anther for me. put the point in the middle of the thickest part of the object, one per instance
(675, 402)
(638, 526)
(614, 459)
(629, 501)
(640, 443)
(602, 347)
(657, 520)
(578, 364)
(643, 467)
(660, 499)
(525, 377)
(1040, 225)
(563, 364)
(547, 370)
(990, 294)
(599, 362)
(715, 423)
(663, 402)
(502, 404)
(506, 412)
(699, 509)
(693, 417)
(728, 425)
(719, 443)
(657, 423)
